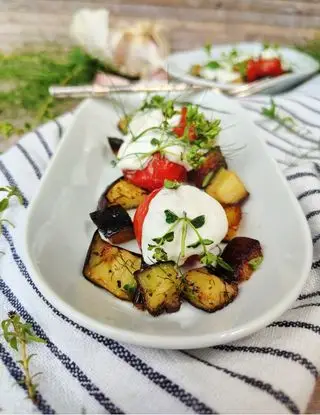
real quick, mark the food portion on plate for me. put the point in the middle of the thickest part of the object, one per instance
(179, 201)
(237, 66)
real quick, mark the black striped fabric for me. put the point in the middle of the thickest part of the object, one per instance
(273, 371)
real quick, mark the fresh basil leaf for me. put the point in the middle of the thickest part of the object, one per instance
(171, 217)
(198, 221)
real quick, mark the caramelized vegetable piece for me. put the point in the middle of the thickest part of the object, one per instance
(227, 188)
(112, 268)
(207, 291)
(123, 124)
(202, 176)
(195, 70)
(115, 223)
(234, 215)
(160, 286)
(244, 255)
(138, 301)
(122, 192)
(115, 144)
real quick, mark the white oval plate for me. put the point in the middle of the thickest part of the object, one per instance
(59, 231)
(303, 66)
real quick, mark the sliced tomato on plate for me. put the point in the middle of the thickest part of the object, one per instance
(156, 172)
(140, 215)
(270, 67)
(252, 71)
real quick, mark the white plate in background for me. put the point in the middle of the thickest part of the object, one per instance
(303, 66)
(59, 231)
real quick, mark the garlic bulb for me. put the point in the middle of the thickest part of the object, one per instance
(136, 51)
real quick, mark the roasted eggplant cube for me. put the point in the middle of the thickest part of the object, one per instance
(115, 144)
(207, 291)
(122, 192)
(112, 268)
(123, 124)
(115, 223)
(244, 255)
(160, 286)
(202, 176)
(227, 188)
(234, 215)
(138, 301)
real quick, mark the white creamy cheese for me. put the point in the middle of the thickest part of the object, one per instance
(133, 153)
(269, 53)
(193, 202)
(225, 75)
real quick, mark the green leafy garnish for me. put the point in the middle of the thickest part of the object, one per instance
(18, 335)
(207, 48)
(130, 288)
(272, 113)
(198, 222)
(213, 65)
(206, 257)
(155, 142)
(30, 73)
(255, 262)
(170, 216)
(170, 184)
(4, 203)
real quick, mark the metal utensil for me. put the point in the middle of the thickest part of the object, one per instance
(98, 91)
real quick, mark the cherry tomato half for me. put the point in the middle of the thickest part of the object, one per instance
(252, 72)
(140, 215)
(270, 67)
(156, 172)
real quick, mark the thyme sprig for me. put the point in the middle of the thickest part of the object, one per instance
(206, 257)
(272, 112)
(19, 335)
(4, 203)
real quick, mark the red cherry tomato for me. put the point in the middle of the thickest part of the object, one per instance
(140, 215)
(269, 67)
(156, 172)
(252, 72)
(179, 130)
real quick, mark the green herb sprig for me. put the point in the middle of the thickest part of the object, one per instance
(272, 112)
(4, 203)
(19, 335)
(195, 150)
(206, 257)
(29, 74)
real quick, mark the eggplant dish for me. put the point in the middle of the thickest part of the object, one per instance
(186, 203)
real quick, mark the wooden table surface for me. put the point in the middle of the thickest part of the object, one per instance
(190, 24)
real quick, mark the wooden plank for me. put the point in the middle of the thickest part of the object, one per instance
(294, 15)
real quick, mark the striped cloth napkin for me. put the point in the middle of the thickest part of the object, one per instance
(273, 371)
